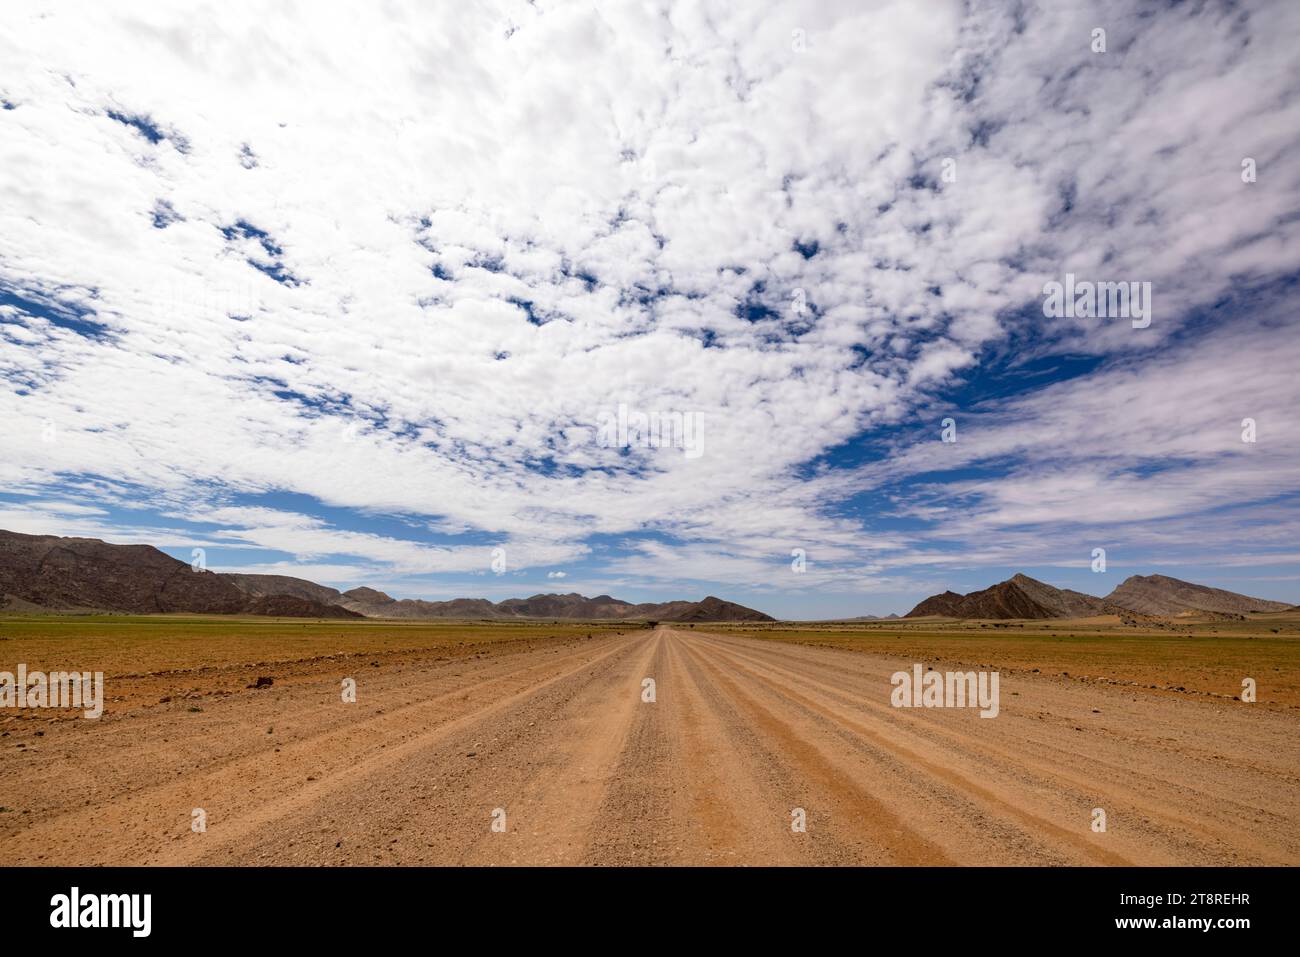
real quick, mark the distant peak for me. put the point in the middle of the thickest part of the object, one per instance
(367, 594)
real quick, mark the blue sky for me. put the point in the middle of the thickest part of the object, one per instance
(367, 298)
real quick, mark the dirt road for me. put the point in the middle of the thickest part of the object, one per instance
(556, 747)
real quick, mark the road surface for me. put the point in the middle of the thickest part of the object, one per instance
(553, 756)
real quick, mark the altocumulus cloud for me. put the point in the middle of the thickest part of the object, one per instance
(394, 266)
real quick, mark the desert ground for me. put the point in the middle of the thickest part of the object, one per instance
(543, 730)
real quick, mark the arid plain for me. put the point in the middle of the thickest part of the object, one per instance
(534, 743)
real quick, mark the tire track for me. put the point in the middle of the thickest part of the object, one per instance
(878, 833)
(149, 824)
(997, 806)
(1183, 821)
(741, 733)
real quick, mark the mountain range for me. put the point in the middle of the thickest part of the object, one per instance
(1023, 597)
(47, 572)
(375, 604)
(85, 574)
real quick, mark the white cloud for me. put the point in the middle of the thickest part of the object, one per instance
(634, 177)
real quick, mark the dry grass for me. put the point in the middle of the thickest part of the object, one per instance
(1191, 656)
(1198, 657)
(151, 660)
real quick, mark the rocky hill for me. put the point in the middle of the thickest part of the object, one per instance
(259, 585)
(46, 572)
(294, 606)
(945, 603)
(572, 606)
(85, 573)
(375, 604)
(1018, 597)
(50, 573)
(1161, 595)
(1023, 597)
(709, 609)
